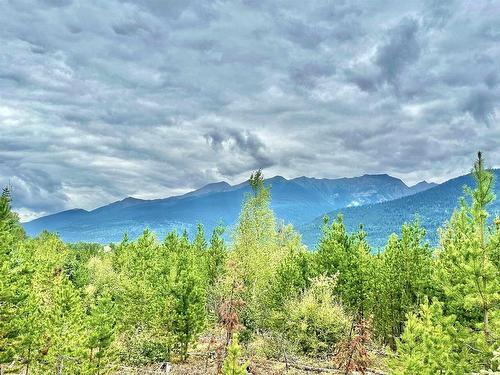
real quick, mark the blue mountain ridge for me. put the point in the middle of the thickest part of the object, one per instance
(433, 207)
(297, 201)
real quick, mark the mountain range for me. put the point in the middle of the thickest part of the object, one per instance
(433, 207)
(299, 201)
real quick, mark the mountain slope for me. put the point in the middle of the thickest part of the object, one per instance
(433, 206)
(297, 201)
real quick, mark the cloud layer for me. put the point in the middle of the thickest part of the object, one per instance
(104, 99)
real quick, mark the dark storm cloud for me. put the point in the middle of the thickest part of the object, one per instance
(481, 105)
(243, 149)
(400, 50)
(105, 99)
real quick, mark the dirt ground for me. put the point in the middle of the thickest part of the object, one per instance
(197, 365)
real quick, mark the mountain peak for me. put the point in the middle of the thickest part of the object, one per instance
(130, 199)
(421, 186)
(214, 187)
(424, 183)
(276, 179)
(378, 175)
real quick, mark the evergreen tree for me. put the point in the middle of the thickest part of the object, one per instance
(255, 252)
(431, 344)
(216, 257)
(349, 256)
(14, 281)
(101, 327)
(232, 363)
(404, 277)
(469, 272)
(64, 332)
(292, 275)
(187, 299)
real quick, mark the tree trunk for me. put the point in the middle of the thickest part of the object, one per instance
(60, 365)
(486, 324)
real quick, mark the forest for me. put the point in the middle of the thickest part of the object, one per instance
(262, 296)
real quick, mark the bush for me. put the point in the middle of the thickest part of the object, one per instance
(315, 322)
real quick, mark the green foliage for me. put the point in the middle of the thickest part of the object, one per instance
(232, 363)
(349, 257)
(76, 262)
(292, 277)
(187, 299)
(315, 322)
(404, 277)
(469, 272)
(162, 293)
(84, 308)
(494, 368)
(432, 343)
(256, 253)
(64, 332)
(216, 256)
(14, 281)
(101, 330)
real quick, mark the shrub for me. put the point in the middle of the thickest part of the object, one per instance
(315, 322)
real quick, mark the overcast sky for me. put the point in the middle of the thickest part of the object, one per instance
(100, 100)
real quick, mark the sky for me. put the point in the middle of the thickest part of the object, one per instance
(104, 99)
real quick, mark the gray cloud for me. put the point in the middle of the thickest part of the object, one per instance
(480, 104)
(238, 150)
(104, 99)
(400, 50)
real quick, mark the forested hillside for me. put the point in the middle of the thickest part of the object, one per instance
(207, 306)
(296, 201)
(433, 207)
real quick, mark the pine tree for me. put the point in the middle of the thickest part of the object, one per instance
(469, 271)
(65, 336)
(34, 322)
(292, 276)
(101, 326)
(232, 363)
(431, 344)
(349, 256)
(404, 277)
(187, 297)
(334, 244)
(14, 281)
(216, 257)
(143, 270)
(255, 252)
